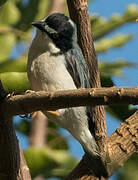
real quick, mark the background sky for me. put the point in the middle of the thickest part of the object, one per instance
(128, 52)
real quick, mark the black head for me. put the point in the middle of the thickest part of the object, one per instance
(59, 28)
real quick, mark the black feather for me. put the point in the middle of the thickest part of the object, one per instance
(60, 23)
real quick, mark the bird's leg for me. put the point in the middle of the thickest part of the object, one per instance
(9, 95)
(56, 113)
(33, 114)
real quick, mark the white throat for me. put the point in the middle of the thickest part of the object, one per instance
(44, 43)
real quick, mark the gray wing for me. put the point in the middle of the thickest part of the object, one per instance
(78, 69)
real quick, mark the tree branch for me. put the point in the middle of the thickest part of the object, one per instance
(24, 173)
(41, 100)
(78, 10)
(120, 146)
(57, 6)
(122, 143)
(12, 163)
(38, 131)
(9, 151)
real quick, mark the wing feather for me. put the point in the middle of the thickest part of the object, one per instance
(78, 69)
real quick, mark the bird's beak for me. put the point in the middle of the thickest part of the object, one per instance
(40, 25)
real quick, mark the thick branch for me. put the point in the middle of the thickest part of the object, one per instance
(57, 6)
(9, 151)
(3, 93)
(12, 162)
(122, 143)
(120, 146)
(24, 173)
(38, 130)
(21, 104)
(78, 10)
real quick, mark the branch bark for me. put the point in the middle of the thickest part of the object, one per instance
(57, 6)
(9, 151)
(122, 143)
(12, 163)
(120, 146)
(78, 10)
(41, 100)
(38, 130)
(24, 173)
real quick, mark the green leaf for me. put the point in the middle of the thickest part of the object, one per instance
(54, 139)
(13, 65)
(106, 81)
(45, 161)
(33, 10)
(15, 81)
(114, 68)
(101, 26)
(113, 42)
(2, 2)
(23, 127)
(43, 9)
(131, 10)
(130, 169)
(7, 42)
(9, 13)
(38, 160)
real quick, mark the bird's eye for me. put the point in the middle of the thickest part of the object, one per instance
(55, 35)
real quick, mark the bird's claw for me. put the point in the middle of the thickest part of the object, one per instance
(56, 113)
(33, 114)
(8, 96)
(29, 91)
(29, 115)
(12, 94)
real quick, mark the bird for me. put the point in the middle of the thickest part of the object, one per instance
(55, 62)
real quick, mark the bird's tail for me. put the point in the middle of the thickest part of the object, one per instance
(97, 165)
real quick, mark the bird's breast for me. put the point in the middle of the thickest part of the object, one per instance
(49, 72)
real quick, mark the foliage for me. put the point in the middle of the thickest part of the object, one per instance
(102, 26)
(2, 2)
(49, 162)
(130, 170)
(15, 27)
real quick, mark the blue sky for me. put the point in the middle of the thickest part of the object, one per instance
(129, 52)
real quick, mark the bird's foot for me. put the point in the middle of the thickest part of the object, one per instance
(28, 115)
(33, 114)
(8, 96)
(56, 113)
(29, 91)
